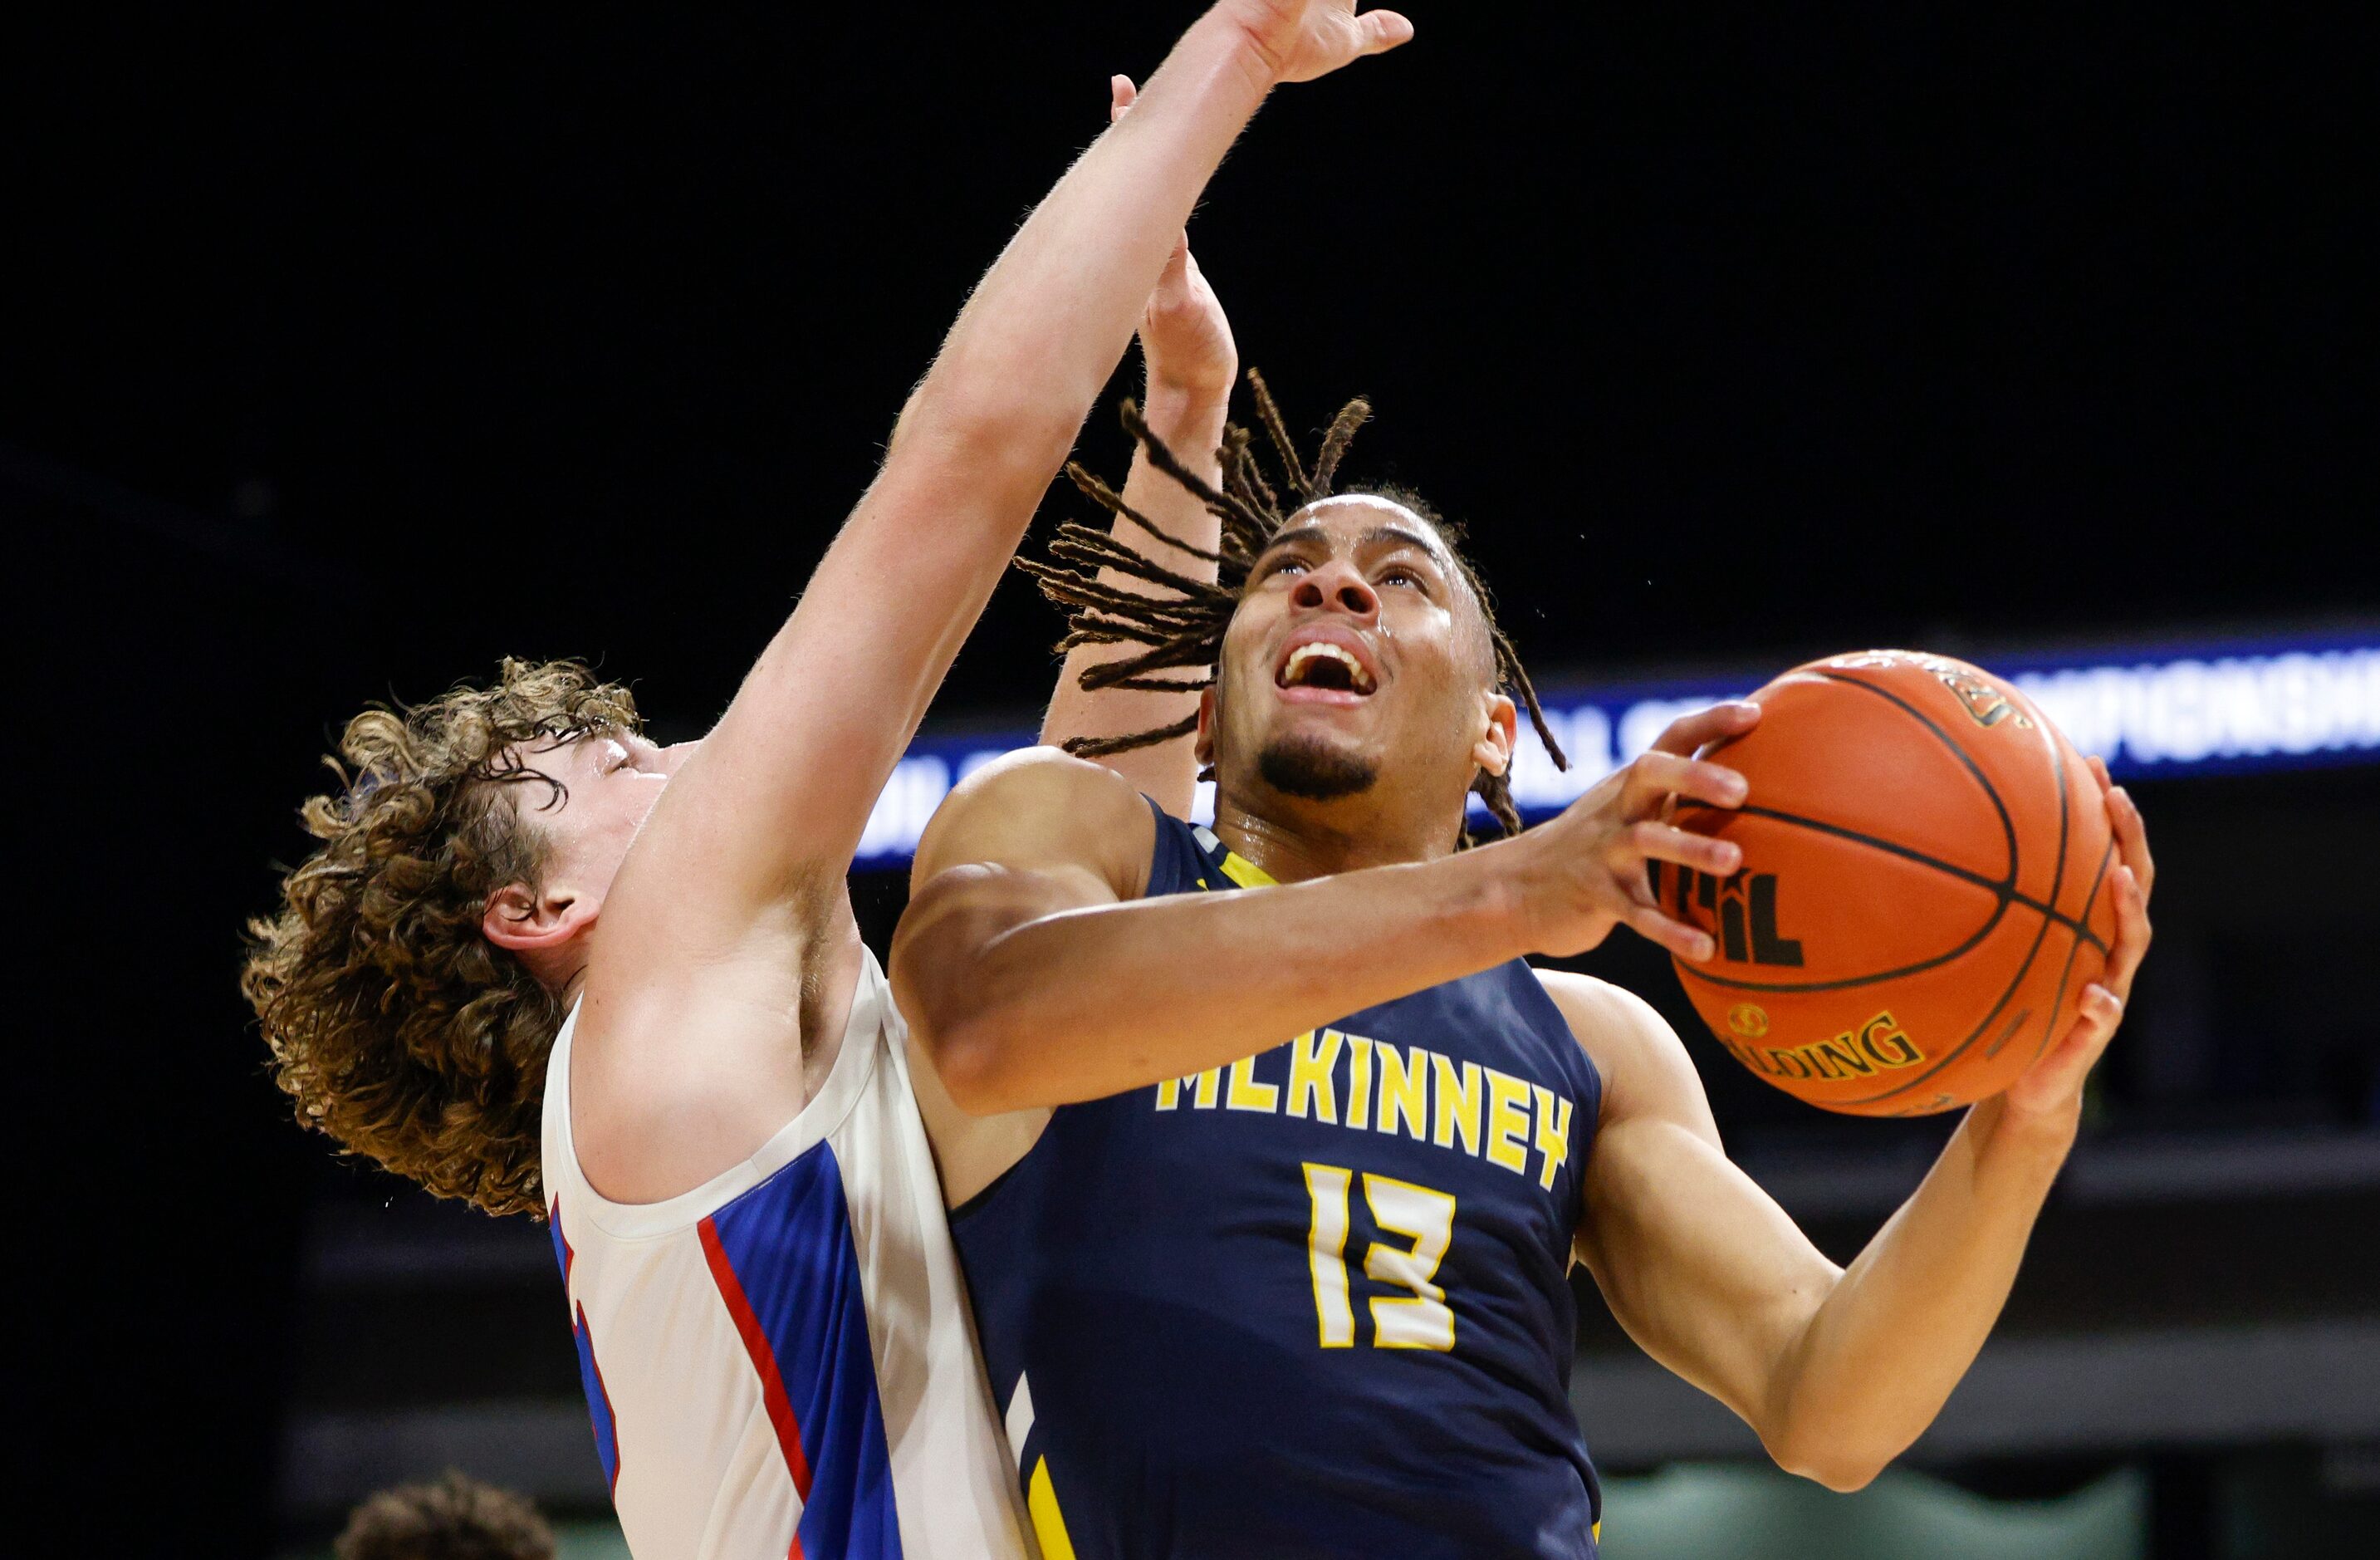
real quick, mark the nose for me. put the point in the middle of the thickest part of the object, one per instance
(1336, 585)
(673, 757)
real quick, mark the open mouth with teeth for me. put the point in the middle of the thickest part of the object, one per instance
(1320, 664)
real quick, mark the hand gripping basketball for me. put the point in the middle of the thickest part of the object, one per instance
(2052, 1088)
(1583, 873)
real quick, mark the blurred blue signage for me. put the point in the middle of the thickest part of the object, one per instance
(2267, 703)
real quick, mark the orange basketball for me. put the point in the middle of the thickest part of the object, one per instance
(1925, 889)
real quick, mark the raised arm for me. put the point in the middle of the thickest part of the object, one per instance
(777, 796)
(1838, 1369)
(726, 937)
(1185, 344)
(1024, 924)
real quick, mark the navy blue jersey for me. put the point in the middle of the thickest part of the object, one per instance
(1313, 1303)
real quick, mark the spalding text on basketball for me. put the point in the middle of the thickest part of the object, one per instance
(1878, 1045)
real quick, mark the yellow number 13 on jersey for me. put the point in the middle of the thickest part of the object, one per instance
(1425, 1216)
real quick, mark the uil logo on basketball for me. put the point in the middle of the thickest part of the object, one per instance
(1745, 906)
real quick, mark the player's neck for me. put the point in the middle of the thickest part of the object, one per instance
(1293, 840)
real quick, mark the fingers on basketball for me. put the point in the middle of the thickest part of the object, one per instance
(1689, 733)
(2132, 930)
(2130, 829)
(1657, 774)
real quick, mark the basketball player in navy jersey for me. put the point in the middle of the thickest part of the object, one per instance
(1268, 1152)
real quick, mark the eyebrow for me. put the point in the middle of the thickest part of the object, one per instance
(1402, 535)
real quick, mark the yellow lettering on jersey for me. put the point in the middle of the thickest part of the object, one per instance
(1458, 1104)
(1245, 1094)
(1508, 1122)
(1359, 1082)
(1169, 1091)
(1049, 1524)
(1553, 1135)
(1405, 1091)
(1312, 1059)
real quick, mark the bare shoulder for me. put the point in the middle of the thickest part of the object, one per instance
(1643, 1064)
(1035, 806)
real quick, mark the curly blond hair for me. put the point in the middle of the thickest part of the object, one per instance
(397, 1028)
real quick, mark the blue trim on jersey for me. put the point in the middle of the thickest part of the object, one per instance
(789, 1240)
(591, 1380)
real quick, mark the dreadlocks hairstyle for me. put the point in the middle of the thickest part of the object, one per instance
(395, 1024)
(1183, 625)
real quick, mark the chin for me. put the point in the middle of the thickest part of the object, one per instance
(1314, 769)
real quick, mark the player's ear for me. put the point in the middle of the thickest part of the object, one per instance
(529, 922)
(1499, 728)
(1203, 744)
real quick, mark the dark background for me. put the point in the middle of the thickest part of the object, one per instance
(347, 351)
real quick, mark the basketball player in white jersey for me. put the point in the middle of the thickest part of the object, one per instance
(543, 964)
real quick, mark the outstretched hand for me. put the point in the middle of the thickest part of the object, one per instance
(1585, 873)
(2051, 1089)
(1185, 338)
(1300, 40)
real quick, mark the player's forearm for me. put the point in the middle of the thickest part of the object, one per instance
(837, 693)
(1886, 1347)
(1036, 342)
(1190, 422)
(1081, 1004)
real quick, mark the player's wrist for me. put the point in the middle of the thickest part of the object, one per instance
(1179, 410)
(1254, 33)
(1517, 892)
(2040, 1137)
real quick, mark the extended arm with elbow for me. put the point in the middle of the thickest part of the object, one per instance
(968, 1002)
(1885, 1348)
(1026, 993)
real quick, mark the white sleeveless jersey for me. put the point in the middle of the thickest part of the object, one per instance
(781, 1362)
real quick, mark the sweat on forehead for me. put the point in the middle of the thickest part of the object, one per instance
(1374, 518)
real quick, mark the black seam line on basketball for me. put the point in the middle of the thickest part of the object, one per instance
(2057, 888)
(2008, 993)
(2022, 969)
(2002, 898)
(2002, 888)
(2057, 882)
(2097, 879)
(2008, 824)
(1999, 909)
